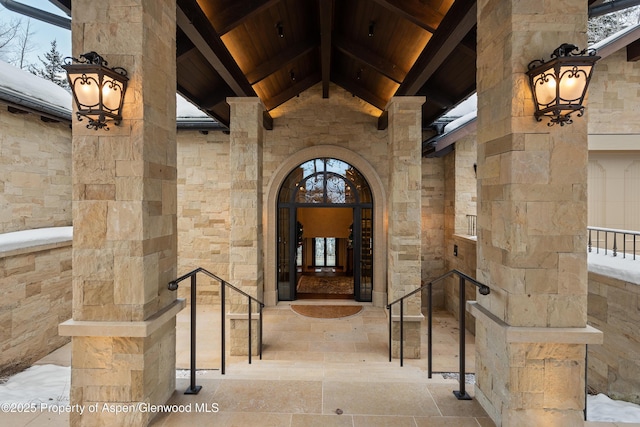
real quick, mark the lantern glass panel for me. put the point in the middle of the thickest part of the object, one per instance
(545, 87)
(573, 80)
(111, 94)
(86, 88)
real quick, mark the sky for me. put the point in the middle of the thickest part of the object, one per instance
(43, 33)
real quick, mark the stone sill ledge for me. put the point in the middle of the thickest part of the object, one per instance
(524, 334)
(35, 240)
(143, 329)
(466, 237)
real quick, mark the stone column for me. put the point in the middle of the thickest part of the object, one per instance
(531, 330)
(405, 219)
(245, 211)
(124, 217)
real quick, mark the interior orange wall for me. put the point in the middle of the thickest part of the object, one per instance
(325, 222)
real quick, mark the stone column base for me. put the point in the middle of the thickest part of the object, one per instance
(530, 376)
(412, 337)
(239, 334)
(119, 369)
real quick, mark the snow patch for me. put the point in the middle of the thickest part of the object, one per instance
(602, 408)
(48, 384)
(35, 237)
(625, 269)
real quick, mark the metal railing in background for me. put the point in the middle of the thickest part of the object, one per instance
(472, 221)
(463, 278)
(173, 285)
(611, 236)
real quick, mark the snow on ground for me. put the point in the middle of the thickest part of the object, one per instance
(626, 269)
(50, 384)
(602, 408)
(35, 237)
(40, 384)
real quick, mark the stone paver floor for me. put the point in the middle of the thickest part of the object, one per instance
(314, 372)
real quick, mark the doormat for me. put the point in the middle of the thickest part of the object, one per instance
(326, 311)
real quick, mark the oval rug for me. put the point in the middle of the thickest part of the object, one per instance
(326, 311)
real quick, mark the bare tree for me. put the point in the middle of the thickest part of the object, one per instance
(24, 46)
(8, 32)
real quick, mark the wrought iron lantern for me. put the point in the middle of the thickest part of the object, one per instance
(98, 91)
(560, 85)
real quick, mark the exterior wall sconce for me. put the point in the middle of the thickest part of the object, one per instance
(560, 85)
(98, 91)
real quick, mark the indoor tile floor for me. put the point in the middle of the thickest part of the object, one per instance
(314, 372)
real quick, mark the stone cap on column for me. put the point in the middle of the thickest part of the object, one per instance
(523, 334)
(84, 328)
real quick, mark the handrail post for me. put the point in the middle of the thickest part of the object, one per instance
(462, 394)
(260, 333)
(222, 320)
(193, 388)
(389, 307)
(615, 244)
(429, 329)
(402, 333)
(249, 299)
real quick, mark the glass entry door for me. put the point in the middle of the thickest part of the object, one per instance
(287, 254)
(328, 183)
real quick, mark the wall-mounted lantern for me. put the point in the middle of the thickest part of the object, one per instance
(560, 85)
(98, 91)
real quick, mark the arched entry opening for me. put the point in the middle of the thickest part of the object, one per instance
(325, 228)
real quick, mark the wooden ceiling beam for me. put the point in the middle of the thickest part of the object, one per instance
(370, 59)
(414, 11)
(437, 97)
(183, 44)
(193, 22)
(326, 17)
(195, 100)
(633, 51)
(291, 91)
(238, 12)
(359, 91)
(454, 27)
(281, 60)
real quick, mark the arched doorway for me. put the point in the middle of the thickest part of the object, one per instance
(335, 201)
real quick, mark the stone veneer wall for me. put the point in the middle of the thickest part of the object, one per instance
(303, 122)
(434, 215)
(35, 172)
(204, 184)
(614, 366)
(613, 101)
(36, 286)
(460, 201)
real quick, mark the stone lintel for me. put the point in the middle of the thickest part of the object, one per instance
(523, 334)
(143, 329)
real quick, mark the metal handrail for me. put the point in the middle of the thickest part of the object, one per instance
(484, 290)
(615, 232)
(173, 286)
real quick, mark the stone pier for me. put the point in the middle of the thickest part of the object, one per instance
(246, 270)
(124, 217)
(532, 329)
(405, 218)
